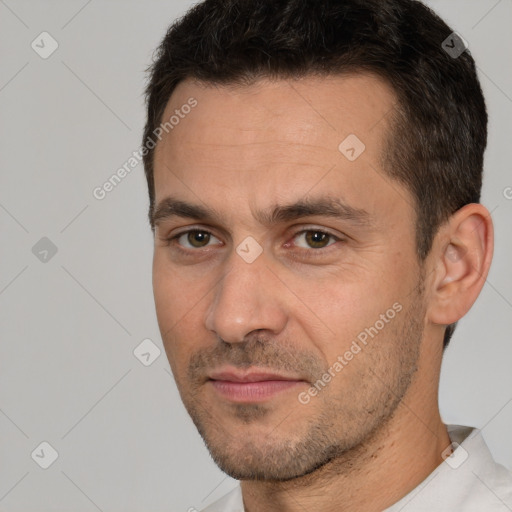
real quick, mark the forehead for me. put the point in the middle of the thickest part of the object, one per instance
(266, 141)
(323, 106)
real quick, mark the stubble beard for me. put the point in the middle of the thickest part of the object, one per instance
(337, 437)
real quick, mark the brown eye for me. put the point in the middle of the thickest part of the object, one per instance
(195, 239)
(317, 239)
(198, 238)
(314, 239)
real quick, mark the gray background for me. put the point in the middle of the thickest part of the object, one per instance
(68, 375)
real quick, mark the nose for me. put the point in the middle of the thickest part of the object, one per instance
(246, 299)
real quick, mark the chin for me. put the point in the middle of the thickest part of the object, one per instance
(257, 455)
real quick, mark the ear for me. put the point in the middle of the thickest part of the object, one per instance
(463, 250)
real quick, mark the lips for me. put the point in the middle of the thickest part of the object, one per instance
(253, 376)
(252, 385)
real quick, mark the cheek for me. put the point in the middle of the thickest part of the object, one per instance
(341, 311)
(173, 292)
(172, 303)
(180, 303)
(165, 296)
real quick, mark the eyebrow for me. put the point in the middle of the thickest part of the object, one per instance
(322, 206)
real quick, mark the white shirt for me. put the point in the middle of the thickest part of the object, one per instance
(469, 480)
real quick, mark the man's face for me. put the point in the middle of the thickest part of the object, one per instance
(292, 294)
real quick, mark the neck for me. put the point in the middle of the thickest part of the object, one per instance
(373, 475)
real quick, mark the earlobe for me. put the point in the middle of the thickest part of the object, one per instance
(464, 256)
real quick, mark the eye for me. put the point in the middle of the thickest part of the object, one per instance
(314, 239)
(305, 239)
(194, 238)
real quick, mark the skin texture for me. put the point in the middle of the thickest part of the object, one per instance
(373, 432)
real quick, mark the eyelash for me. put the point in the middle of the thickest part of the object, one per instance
(311, 252)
